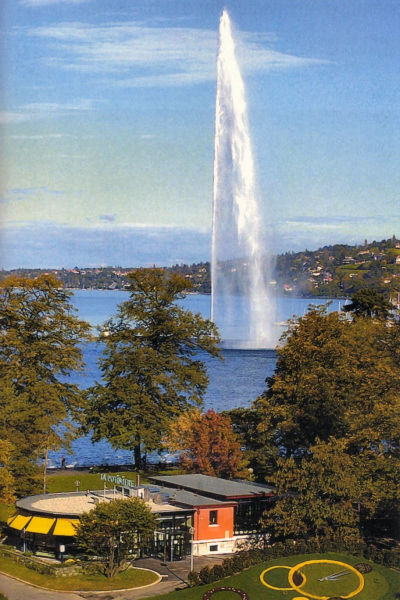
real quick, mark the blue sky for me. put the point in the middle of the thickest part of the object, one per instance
(108, 123)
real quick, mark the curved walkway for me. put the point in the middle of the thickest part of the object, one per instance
(174, 576)
(16, 590)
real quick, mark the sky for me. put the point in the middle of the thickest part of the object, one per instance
(108, 124)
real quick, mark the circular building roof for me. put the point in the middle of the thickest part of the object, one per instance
(65, 504)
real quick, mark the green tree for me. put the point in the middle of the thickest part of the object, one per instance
(369, 303)
(207, 444)
(333, 378)
(151, 367)
(338, 381)
(115, 531)
(41, 344)
(257, 441)
(317, 496)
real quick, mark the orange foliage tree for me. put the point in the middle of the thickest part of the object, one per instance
(207, 444)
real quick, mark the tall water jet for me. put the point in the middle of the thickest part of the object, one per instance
(242, 306)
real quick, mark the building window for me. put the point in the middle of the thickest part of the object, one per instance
(213, 517)
(214, 548)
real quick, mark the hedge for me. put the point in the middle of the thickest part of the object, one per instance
(244, 559)
(29, 562)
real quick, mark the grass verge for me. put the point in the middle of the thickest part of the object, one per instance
(62, 481)
(380, 584)
(132, 578)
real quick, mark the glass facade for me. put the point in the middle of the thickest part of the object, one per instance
(248, 514)
(172, 538)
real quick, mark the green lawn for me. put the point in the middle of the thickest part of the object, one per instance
(380, 584)
(66, 482)
(62, 481)
(131, 578)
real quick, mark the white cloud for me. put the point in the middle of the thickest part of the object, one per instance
(312, 232)
(45, 136)
(7, 117)
(141, 55)
(16, 194)
(40, 110)
(36, 3)
(48, 244)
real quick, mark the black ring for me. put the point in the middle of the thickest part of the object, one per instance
(207, 595)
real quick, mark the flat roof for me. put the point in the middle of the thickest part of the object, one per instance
(74, 504)
(191, 498)
(214, 486)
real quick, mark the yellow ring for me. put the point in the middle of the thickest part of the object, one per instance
(272, 587)
(333, 562)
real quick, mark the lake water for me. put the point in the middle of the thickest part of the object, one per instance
(235, 381)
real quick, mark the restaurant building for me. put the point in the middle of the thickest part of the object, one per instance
(213, 515)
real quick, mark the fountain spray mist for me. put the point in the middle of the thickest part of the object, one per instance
(240, 267)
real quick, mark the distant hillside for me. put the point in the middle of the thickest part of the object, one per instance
(331, 271)
(341, 270)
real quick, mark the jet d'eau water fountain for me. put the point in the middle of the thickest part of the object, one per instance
(242, 305)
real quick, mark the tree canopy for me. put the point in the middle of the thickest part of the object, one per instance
(317, 496)
(335, 390)
(151, 365)
(41, 344)
(7, 483)
(115, 531)
(333, 378)
(369, 303)
(207, 444)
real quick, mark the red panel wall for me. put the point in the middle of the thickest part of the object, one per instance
(204, 531)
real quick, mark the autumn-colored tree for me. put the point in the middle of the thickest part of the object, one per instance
(151, 366)
(115, 531)
(207, 444)
(41, 344)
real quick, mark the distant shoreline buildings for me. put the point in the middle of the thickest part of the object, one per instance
(332, 271)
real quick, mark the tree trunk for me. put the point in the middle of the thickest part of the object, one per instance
(45, 461)
(137, 456)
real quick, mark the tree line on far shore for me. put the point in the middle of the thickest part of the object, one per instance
(334, 271)
(325, 433)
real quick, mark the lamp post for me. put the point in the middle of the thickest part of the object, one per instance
(62, 550)
(191, 531)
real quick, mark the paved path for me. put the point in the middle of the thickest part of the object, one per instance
(16, 590)
(177, 575)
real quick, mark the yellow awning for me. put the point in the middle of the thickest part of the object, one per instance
(40, 525)
(19, 522)
(66, 527)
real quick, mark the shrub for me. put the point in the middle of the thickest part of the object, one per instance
(228, 567)
(193, 578)
(217, 572)
(205, 575)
